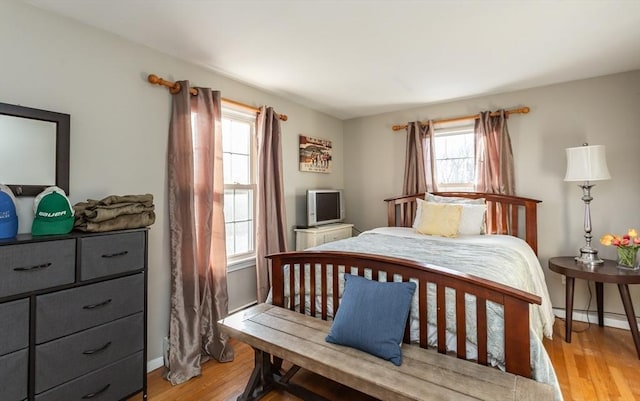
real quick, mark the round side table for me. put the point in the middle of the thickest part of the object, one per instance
(608, 272)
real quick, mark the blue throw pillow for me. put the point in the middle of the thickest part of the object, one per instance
(372, 316)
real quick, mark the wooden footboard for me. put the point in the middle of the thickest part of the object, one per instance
(330, 264)
(504, 213)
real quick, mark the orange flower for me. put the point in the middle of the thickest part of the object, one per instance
(627, 244)
(606, 240)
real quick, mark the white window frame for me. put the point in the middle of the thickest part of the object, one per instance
(450, 130)
(244, 260)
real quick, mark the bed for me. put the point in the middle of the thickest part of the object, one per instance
(466, 305)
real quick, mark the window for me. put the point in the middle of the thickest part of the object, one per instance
(455, 158)
(238, 132)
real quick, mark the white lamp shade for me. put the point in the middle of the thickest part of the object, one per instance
(587, 163)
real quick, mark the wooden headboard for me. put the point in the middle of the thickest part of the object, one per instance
(503, 213)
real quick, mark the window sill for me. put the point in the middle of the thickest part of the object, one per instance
(241, 264)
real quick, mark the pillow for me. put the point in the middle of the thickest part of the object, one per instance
(439, 219)
(448, 199)
(453, 199)
(372, 316)
(472, 219)
(468, 222)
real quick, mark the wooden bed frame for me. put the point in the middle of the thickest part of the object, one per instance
(515, 302)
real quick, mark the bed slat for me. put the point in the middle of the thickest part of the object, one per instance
(481, 316)
(461, 325)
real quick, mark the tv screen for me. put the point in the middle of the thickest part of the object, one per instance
(324, 206)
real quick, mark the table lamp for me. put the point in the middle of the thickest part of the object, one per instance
(587, 163)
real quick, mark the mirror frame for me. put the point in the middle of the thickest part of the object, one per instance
(63, 126)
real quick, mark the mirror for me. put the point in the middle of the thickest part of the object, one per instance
(34, 150)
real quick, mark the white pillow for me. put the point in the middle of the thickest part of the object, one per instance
(471, 220)
(453, 199)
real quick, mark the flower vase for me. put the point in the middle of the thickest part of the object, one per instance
(628, 258)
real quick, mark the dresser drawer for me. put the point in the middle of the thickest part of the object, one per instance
(14, 319)
(105, 255)
(36, 265)
(111, 383)
(14, 375)
(69, 311)
(336, 235)
(72, 356)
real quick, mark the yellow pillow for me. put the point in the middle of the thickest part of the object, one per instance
(439, 219)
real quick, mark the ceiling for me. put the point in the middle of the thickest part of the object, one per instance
(356, 58)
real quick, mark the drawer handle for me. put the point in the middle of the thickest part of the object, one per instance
(95, 351)
(32, 268)
(113, 255)
(97, 393)
(98, 305)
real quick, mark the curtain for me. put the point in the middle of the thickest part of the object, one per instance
(271, 234)
(419, 167)
(197, 237)
(494, 157)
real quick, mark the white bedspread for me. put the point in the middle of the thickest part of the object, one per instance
(504, 259)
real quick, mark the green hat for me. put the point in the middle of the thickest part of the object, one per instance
(53, 213)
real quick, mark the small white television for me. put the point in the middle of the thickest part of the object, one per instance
(324, 206)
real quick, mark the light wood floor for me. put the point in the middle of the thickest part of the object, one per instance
(600, 364)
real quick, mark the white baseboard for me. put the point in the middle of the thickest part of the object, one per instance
(154, 364)
(610, 320)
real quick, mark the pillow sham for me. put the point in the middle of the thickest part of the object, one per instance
(472, 219)
(439, 219)
(372, 316)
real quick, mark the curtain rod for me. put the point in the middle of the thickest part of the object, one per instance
(521, 110)
(174, 87)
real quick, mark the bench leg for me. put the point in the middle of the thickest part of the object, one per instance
(266, 376)
(261, 379)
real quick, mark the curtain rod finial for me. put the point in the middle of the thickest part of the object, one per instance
(154, 79)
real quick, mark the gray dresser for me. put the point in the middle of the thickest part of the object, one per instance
(73, 316)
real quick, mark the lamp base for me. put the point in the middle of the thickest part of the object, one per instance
(589, 256)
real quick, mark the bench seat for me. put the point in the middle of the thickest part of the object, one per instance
(424, 374)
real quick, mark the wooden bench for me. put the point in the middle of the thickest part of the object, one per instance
(276, 333)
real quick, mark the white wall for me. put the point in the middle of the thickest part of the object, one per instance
(119, 123)
(601, 111)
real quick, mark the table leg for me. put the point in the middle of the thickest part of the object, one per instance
(631, 316)
(599, 302)
(569, 308)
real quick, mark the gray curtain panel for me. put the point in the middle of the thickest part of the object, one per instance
(271, 233)
(199, 295)
(419, 167)
(494, 156)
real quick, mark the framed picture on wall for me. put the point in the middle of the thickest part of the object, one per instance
(315, 155)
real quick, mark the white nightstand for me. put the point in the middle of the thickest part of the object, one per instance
(308, 237)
